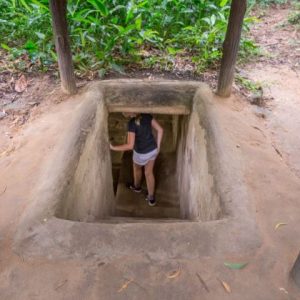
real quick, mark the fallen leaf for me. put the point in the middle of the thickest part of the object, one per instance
(277, 151)
(58, 286)
(203, 282)
(21, 84)
(279, 224)
(3, 191)
(125, 285)
(283, 290)
(235, 266)
(32, 103)
(174, 274)
(8, 151)
(3, 114)
(226, 286)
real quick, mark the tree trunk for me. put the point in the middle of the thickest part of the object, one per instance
(58, 9)
(231, 47)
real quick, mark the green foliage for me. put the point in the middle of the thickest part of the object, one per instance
(248, 84)
(294, 16)
(111, 33)
(26, 30)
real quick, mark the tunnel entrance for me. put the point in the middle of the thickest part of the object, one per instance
(185, 178)
(130, 204)
(73, 211)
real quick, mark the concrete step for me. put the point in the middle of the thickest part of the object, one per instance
(150, 212)
(120, 220)
(126, 196)
(131, 204)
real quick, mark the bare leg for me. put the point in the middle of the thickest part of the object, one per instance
(137, 175)
(150, 177)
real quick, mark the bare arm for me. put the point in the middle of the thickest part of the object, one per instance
(125, 147)
(160, 132)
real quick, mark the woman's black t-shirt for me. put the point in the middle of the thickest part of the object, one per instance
(144, 139)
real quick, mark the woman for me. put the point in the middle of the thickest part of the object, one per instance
(145, 150)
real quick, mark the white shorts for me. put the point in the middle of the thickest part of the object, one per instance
(142, 159)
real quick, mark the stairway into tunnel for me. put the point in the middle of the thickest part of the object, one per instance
(130, 204)
(184, 170)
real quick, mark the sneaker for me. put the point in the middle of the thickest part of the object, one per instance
(151, 200)
(134, 188)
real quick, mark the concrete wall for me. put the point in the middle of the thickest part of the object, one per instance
(77, 184)
(89, 195)
(199, 199)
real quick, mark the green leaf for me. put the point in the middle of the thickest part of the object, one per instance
(53, 55)
(23, 2)
(41, 5)
(30, 45)
(40, 35)
(118, 7)
(82, 37)
(100, 7)
(91, 38)
(171, 50)
(138, 22)
(235, 266)
(190, 28)
(5, 47)
(207, 20)
(129, 16)
(120, 28)
(142, 4)
(117, 68)
(213, 20)
(223, 3)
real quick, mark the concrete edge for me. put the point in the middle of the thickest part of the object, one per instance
(65, 153)
(226, 163)
(233, 231)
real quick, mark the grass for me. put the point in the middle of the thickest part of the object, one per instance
(249, 85)
(294, 16)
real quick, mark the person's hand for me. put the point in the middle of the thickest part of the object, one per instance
(111, 147)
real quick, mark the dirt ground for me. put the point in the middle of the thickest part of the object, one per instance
(268, 139)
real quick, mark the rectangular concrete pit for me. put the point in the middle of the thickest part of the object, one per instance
(185, 188)
(77, 184)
